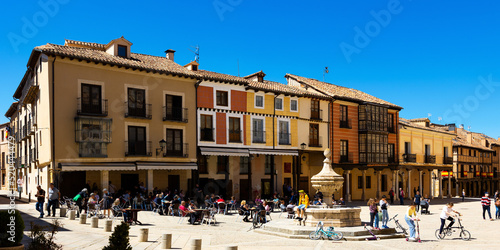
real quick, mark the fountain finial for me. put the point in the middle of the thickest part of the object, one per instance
(327, 180)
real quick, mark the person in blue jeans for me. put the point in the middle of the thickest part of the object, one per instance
(411, 217)
(40, 196)
(385, 215)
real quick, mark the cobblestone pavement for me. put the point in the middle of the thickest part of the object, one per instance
(228, 232)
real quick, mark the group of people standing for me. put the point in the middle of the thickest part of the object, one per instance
(53, 198)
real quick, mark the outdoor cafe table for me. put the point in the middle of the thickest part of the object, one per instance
(133, 215)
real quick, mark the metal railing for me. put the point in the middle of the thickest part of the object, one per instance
(138, 148)
(447, 160)
(284, 138)
(207, 134)
(175, 114)
(345, 123)
(409, 157)
(346, 158)
(430, 159)
(316, 114)
(235, 135)
(98, 108)
(258, 136)
(144, 112)
(176, 150)
(315, 142)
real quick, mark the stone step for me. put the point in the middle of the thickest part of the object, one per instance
(348, 231)
(347, 238)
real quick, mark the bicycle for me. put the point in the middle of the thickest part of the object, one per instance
(398, 225)
(447, 231)
(321, 233)
(259, 218)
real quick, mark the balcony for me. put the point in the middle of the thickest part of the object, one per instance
(284, 139)
(391, 159)
(234, 136)
(347, 158)
(31, 128)
(134, 112)
(207, 134)
(430, 159)
(468, 159)
(486, 160)
(93, 108)
(93, 149)
(138, 148)
(447, 160)
(258, 136)
(177, 150)
(409, 157)
(345, 124)
(175, 114)
(315, 142)
(316, 114)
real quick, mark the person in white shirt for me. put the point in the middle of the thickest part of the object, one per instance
(446, 214)
(385, 215)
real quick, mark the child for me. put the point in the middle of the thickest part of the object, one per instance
(446, 215)
(410, 217)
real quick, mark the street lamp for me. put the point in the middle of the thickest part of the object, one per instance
(163, 144)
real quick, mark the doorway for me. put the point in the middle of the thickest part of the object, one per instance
(71, 183)
(128, 181)
(174, 182)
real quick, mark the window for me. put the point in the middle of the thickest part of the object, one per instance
(373, 148)
(259, 101)
(91, 99)
(407, 147)
(344, 151)
(278, 104)
(267, 164)
(174, 146)
(234, 129)
(360, 182)
(368, 182)
(373, 118)
(244, 164)
(343, 117)
(427, 149)
(293, 105)
(222, 164)
(92, 136)
(315, 111)
(202, 164)
(445, 151)
(137, 144)
(3, 160)
(136, 103)
(221, 98)
(314, 135)
(173, 109)
(384, 183)
(258, 133)
(206, 128)
(390, 153)
(284, 135)
(390, 123)
(122, 51)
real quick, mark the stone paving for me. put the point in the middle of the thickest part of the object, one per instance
(228, 232)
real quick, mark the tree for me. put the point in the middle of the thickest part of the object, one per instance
(119, 239)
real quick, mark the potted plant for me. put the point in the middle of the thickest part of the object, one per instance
(11, 230)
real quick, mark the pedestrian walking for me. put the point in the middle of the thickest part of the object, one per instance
(40, 195)
(485, 202)
(20, 185)
(53, 197)
(463, 195)
(81, 201)
(401, 196)
(416, 199)
(497, 205)
(384, 205)
(391, 195)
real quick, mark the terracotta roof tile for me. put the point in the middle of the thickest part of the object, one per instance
(412, 123)
(340, 92)
(461, 140)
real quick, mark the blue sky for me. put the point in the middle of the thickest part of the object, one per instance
(430, 57)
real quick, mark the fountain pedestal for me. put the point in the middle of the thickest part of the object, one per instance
(328, 181)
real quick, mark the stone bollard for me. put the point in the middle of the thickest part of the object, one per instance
(83, 218)
(166, 241)
(72, 214)
(143, 237)
(196, 244)
(108, 226)
(232, 248)
(94, 223)
(62, 212)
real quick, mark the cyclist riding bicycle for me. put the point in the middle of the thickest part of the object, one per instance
(446, 215)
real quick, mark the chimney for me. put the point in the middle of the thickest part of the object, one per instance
(170, 54)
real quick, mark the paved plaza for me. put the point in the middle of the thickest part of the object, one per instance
(228, 232)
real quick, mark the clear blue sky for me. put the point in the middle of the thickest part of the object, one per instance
(428, 58)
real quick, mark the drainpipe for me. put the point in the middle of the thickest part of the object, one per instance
(52, 126)
(194, 173)
(274, 147)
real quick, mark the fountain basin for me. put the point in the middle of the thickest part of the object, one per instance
(334, 217)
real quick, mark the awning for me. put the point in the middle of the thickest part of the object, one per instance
(90, 166)
(224, 151)
(263, 151)
(167, 166)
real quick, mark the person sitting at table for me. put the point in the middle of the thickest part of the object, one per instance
(208, 201)
(232, 201)
(244, 210)
(341, 202)
(282, 206)
(276, 200)
(258, 201)
(219, 200)
(318, 202)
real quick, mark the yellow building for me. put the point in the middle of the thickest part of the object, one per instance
(4, 152)
(95, 113)
(425, 154)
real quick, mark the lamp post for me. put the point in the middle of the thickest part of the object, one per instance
(163, 144)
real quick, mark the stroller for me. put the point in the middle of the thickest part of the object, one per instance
(424, 207)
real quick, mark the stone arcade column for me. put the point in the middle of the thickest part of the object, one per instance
(150, 180)
(420, 182)
(440, 176)
(104, 179)
(449, 184)
(410, 191)
(431, 187)
(348, 186)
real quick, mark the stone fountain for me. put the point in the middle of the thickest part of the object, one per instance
(328, 181)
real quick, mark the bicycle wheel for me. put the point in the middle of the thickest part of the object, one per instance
(315, 235)
(465, 235)
(440, 236)
(402, 229)
(337, 236)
